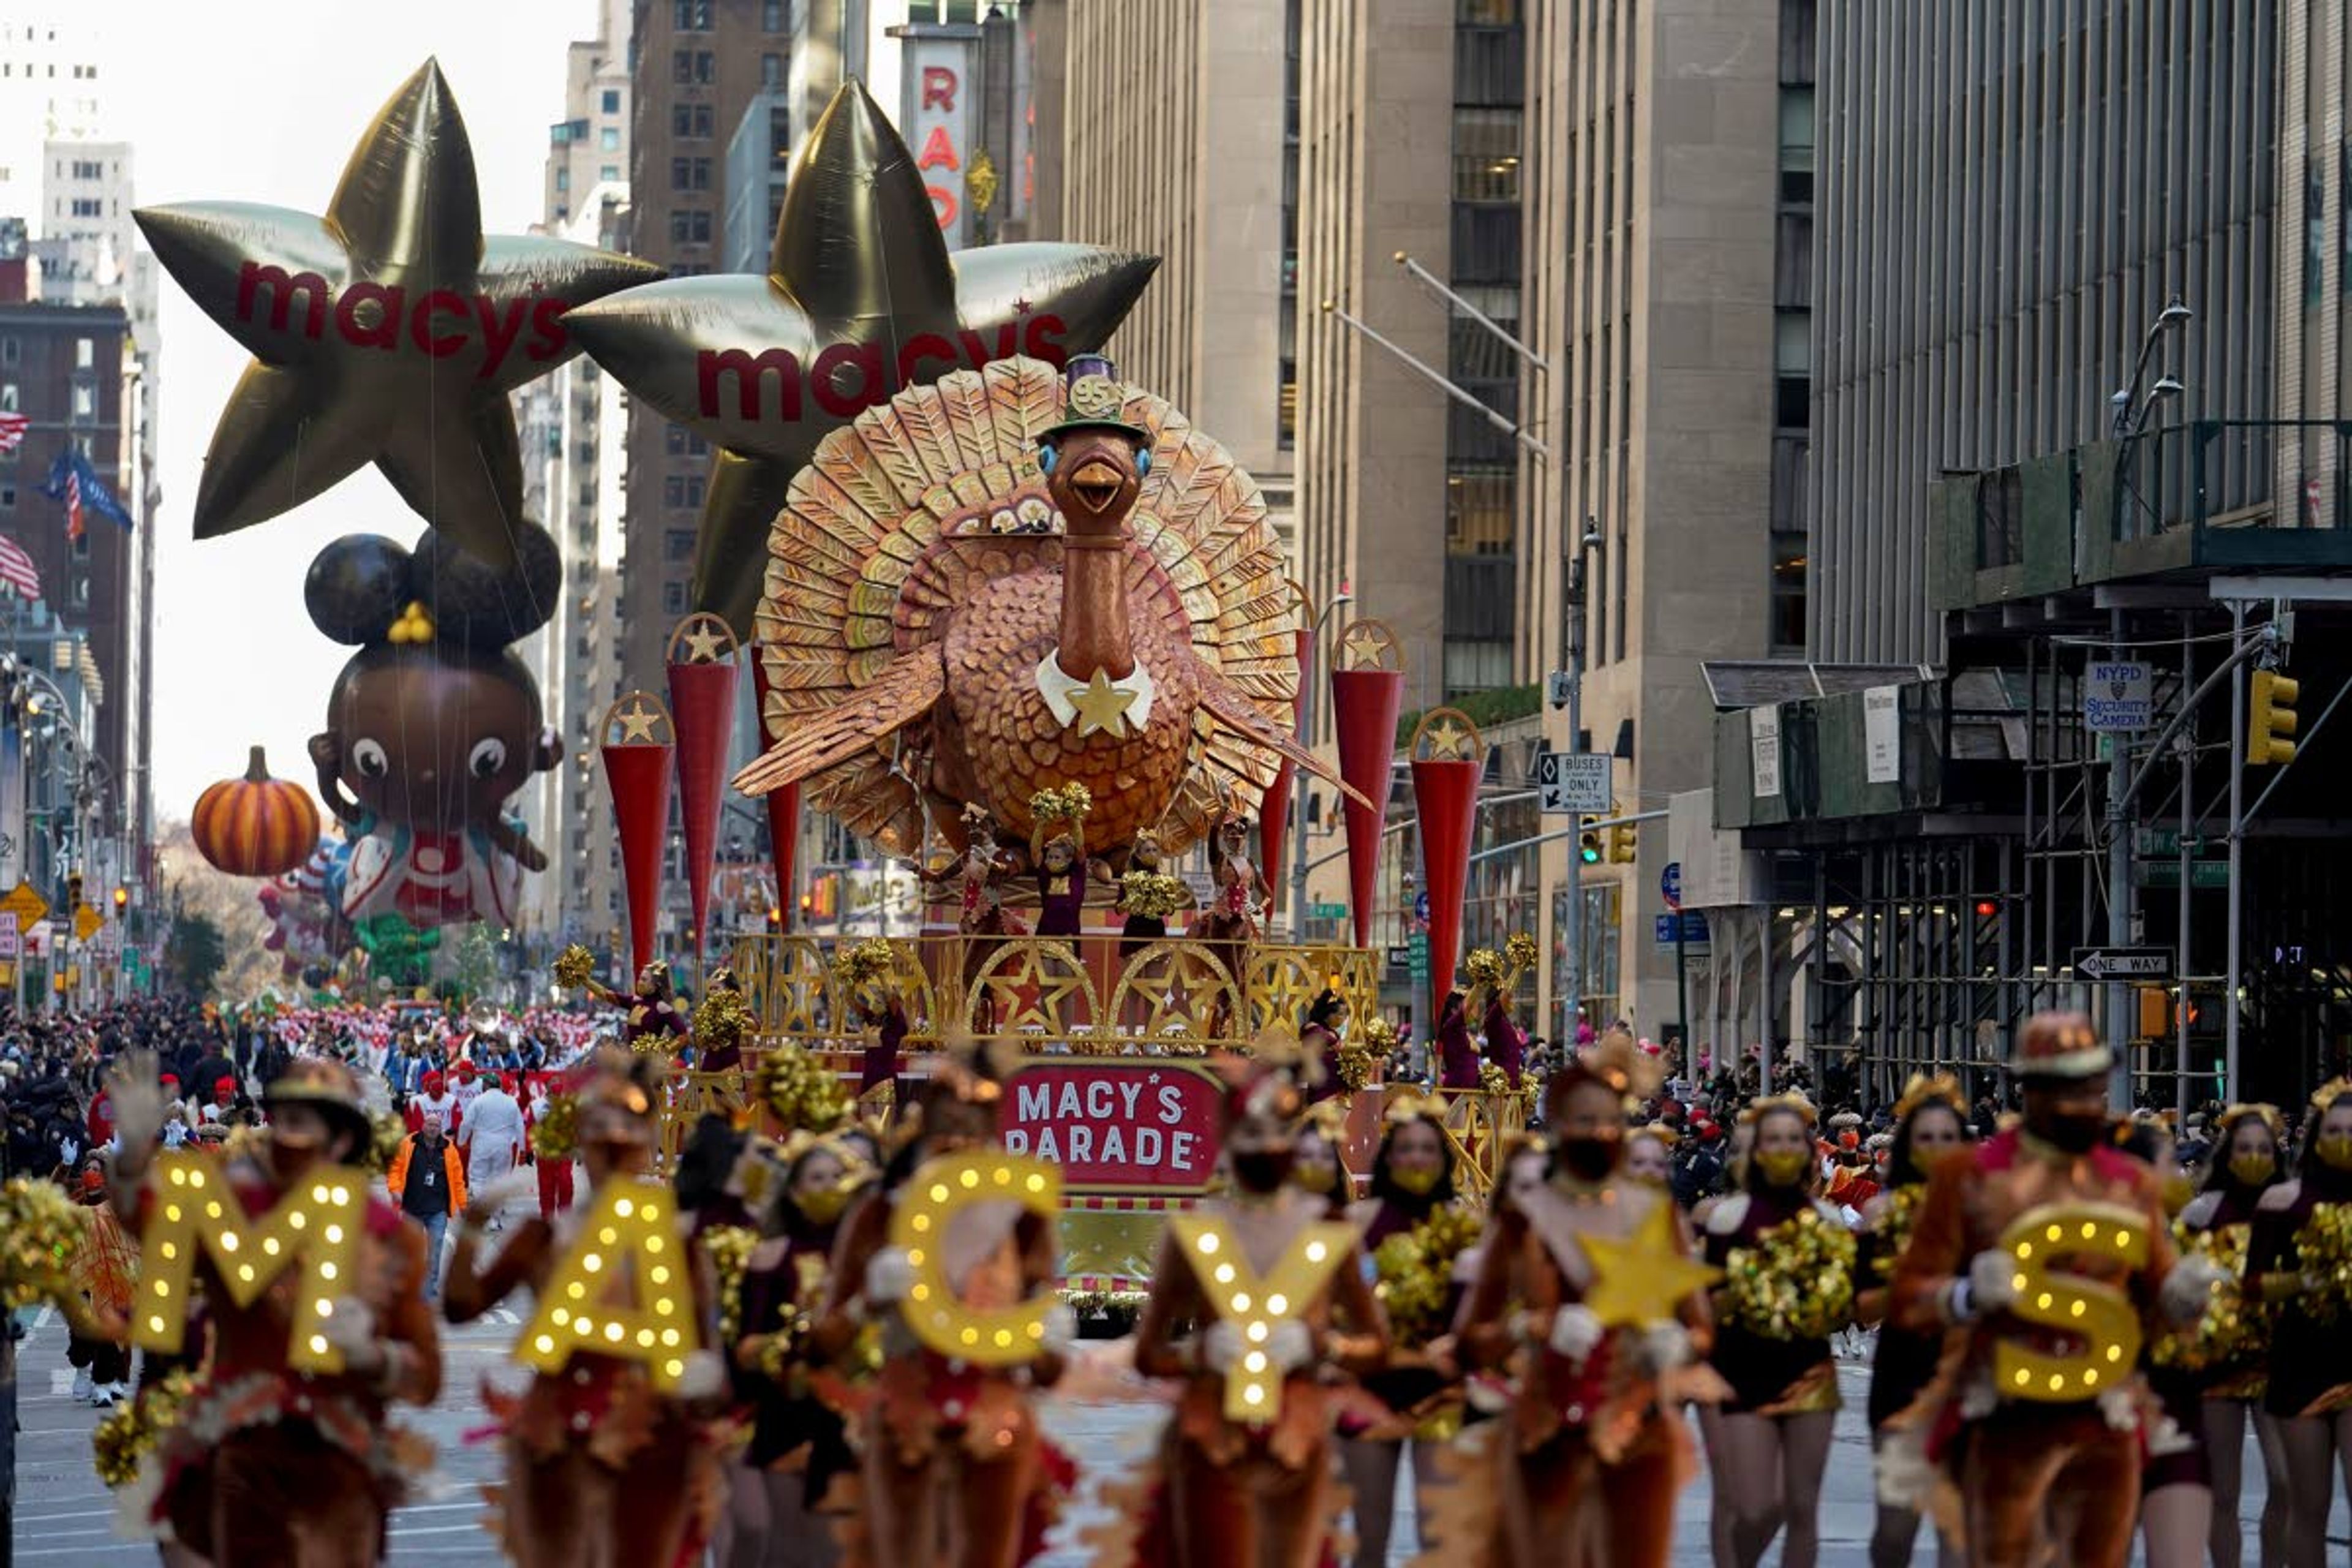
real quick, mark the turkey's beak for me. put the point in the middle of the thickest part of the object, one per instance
(1097, 484)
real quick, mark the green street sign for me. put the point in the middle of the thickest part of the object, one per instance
(1417, 961)
(1327, 911)
(2204, 875)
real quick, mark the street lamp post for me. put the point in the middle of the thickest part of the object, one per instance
(1571, 636)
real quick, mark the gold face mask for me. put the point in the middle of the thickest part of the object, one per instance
(1319, 1178)
(823, 1205)
(1417, 1184)
(1782, 1167)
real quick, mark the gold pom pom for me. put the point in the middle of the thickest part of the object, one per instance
(386, 1134)
(729, 1246)
(2232, 1331)
(43, 1230)
(574, 967)
(1795, 1283)
(1483, 966)
(130, 1432)
(1413, 1273)
(722, 1019)
(1520, 952)
(798, 1091)
(557, 1132)
(1358, 1065)
(1151, 894)
(2324, 1247)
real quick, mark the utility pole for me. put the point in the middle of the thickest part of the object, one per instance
(1570, 981)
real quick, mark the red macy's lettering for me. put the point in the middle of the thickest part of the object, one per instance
(441, 322)
(849, 378)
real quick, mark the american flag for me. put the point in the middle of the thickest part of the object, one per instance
(73, 504)
(12, 430)
(17, 571)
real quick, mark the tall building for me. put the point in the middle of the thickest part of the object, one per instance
(697, 65)
(2005, 206)
(51, 90)
(1210, 91)
(573, 423)
(1670, 214)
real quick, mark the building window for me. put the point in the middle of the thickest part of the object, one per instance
(674, 490)
(673, 598)
(1792, 387)
(677, 544)
(701, 228)
(562, 179)
(7, 498)
(609, 139)
(1478, 514)
(609, 171)
(84, 404)
(681, 174)
(771, 71)
(1486, 154)
(681, 66)
(1796, 145)
(8, 399)
(85, 353)
(706, 69)
(701, 173)
(10, 349)
(772, 16)
(690, 16)
(1788, 592)
(691, 121)
(674, 440)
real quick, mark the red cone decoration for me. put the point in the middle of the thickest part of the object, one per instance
(783, 807)
(1447, 758)
(701, 662)
(640, 741)
(1367, 691)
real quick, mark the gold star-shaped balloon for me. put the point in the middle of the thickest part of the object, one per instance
(1448, 739)
(1099, 705)
(860, 298)
(638, 724)
(1641, 1279)
(386, 331)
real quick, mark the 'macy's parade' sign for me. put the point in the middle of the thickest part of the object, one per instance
(1117, 1124)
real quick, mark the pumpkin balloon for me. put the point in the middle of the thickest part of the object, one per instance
(255, 825)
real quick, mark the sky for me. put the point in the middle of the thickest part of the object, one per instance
(233, 100)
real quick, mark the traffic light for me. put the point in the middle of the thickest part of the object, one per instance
(121, 900)
(2272, 700)
(1588, 848)
(73, 891)
(775, 917)
(1622, 840)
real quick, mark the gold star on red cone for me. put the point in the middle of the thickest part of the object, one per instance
(860, 298)
(387, 332)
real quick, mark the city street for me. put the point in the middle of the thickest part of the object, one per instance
(64, 1516)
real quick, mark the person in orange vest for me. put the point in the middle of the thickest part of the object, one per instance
(429, 1183)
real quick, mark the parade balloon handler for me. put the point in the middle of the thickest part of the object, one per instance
(269, 1464)
(433, 724)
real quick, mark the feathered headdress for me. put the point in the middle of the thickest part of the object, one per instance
(1943, 1089)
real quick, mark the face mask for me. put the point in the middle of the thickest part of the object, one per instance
(2336, 1149)
(2178, 1190)
(2252, 1170)
(1261, 1170)
(1587, 1159)
(2076, 1132)
(1318, 1179)
(821, 1206)
(1783, 1167)
(1413, 1184)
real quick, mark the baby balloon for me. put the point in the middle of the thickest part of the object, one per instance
(433, 724)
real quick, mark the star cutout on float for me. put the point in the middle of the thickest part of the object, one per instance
(1641, 1279)
(703, 644)
(388, 330)
(1448, 741)
(1035, 991)
(638, 724)
(860, 298)
(1365, 643)
(1102, 706)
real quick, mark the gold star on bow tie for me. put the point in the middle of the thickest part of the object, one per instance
(1640, 1280)
(702, 645)
(1448, 739)
(1102, 706)
(638, 724)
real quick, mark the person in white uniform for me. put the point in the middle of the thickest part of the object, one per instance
(491, 1135)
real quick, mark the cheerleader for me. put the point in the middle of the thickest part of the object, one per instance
(2310, 1389)
(1412, 1179)
(1320, 1166)
(1594, 1451)
(798, 1445)
(1733, 1177)
(602, 1469)
(2245, 1165)
(1776, 1427)
(1927, 1128)
(1326, 1023)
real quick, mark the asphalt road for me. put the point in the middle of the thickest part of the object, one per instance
(65, 1517)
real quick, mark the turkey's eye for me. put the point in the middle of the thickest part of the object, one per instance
(1044, 459)
(486, 758)
(1142, 461)
(367, 755)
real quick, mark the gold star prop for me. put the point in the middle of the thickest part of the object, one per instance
(860, 298)
(1448, 739)
(702, 645)
(1101, 706)
(1365, 643)
(1031, 991)
(388, 330)
(637, 724)
(1640, 1280)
